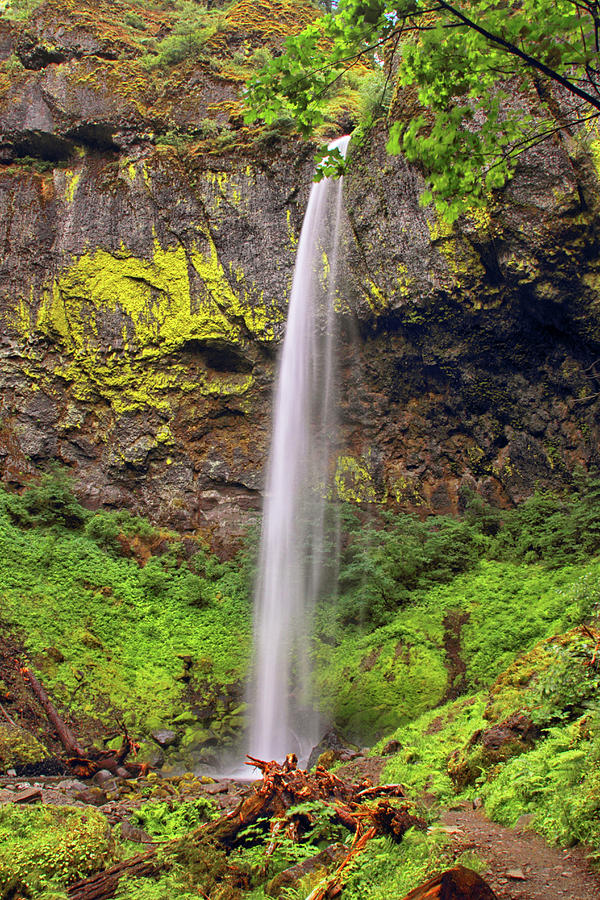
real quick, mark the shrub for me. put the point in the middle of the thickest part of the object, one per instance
(195, 27)
(44, 846)
(558, 781)
(51, 502)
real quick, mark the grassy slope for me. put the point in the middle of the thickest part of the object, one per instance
(117, 633)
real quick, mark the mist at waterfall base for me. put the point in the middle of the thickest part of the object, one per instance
(282, 712)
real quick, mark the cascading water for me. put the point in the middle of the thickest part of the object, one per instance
(283, 718)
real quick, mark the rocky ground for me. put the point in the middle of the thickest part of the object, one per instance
(116, 797)
(519, 864)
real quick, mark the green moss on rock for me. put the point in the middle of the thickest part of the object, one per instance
(18, 746)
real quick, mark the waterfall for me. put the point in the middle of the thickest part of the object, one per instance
(283, 717)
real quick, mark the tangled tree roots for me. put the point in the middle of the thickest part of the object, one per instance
(364, 809)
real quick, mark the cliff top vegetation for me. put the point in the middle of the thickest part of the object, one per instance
(477, 82)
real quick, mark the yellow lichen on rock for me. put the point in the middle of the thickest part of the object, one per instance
(375, 297)
(151, 309)
(154, 295)
(257, 318)
(353, 481)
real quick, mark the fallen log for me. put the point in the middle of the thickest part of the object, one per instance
(105, 884)
(7, 717)
(65, 735)
(282, 787)
(330, 855)
(84, 763)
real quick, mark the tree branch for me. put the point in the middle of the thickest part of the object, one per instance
(525, 57)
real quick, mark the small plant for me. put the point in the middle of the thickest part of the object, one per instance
(180, 140)
(570, 685)
(161, 820)
(13, 65)
(135, 21)
(48, 847)
(195, 27)
(19, 10)
(34, 163)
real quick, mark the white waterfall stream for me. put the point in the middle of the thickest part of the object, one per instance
(282, 712)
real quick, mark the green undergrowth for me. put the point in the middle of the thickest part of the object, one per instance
(557, 784)
(193, 27)
(552, 777)
(373, 680)
(44, 848)
(112, 612)
(430, 609)
(387, 869)
(18, 10)
(162, 821)
(426, 744)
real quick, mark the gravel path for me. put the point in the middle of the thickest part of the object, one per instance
(521, 866)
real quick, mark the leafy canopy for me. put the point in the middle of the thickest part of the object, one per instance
(470, 64)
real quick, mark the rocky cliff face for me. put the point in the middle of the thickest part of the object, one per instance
(479, 342)
(148, 243)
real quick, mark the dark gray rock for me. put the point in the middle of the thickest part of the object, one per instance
(103, 777)
(165, 737)
(476, 345)
(331, 741)
(130, 832)
(391, 747)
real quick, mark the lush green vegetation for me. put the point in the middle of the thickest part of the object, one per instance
(42, 848)
(194, 26)
(112, 608)
(162, 821)
(18, 9)
(112, 612)
(513, 578)
(467, 65)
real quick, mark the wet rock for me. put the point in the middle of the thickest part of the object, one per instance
(474, 340)
(524, 822)
(458, 883)
(103, 777)
(164, 737)
(516, 875)
(129, 832)
(151, 754)
(27, 794)
(71, 785)
(515, 735)
(218, 787)
(335, 744)
(391, 747)
(328, 759)
(94, 796)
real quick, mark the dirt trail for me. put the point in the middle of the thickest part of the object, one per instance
(521, 866)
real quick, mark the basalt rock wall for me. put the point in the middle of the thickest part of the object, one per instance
(147, 246)
(479, 342)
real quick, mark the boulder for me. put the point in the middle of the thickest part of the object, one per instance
(486, 748)
(458, 883)
(335, 745)
(164, 737)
